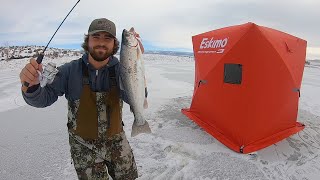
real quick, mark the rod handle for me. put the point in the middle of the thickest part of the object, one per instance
(25, 85)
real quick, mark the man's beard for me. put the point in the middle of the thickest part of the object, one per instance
(99, 56)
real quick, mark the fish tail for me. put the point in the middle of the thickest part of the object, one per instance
(138, 129)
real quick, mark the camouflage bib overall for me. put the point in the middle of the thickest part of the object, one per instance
(98, 143)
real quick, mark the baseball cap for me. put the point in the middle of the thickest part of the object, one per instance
(102, 25)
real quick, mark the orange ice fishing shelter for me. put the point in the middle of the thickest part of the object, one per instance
(247, 85)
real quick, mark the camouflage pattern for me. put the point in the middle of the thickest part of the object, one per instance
(97, 159)
(102, 115)
(93, 160)
(72, 111)
(108, 153)
(99, 117)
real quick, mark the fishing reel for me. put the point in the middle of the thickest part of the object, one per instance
(48, 74)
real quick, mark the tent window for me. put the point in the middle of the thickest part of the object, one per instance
(233, 73)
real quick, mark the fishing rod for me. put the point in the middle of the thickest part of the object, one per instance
(41, 55)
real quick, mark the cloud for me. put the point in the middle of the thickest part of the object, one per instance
(162, 23)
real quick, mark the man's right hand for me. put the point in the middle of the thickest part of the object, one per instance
(29, 73)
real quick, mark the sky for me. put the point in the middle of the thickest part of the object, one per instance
(162, 24)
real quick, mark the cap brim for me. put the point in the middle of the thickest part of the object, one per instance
(96, 31)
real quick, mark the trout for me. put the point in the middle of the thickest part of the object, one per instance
(132, 74)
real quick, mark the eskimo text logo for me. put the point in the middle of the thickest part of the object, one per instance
(213, 45)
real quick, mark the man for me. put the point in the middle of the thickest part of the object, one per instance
(91, 85)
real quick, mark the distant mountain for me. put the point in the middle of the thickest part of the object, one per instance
(19, 52)
(172, 53)
(315, 60)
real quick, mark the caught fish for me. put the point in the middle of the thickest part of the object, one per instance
(132, 75)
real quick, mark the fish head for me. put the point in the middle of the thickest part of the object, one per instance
(129, 38)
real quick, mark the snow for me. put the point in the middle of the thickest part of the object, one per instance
(34, 142)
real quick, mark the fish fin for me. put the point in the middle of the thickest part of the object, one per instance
(139, 53)
(140, 129)
(145, 103)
